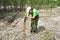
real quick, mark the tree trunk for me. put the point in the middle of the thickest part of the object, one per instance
(15, 5)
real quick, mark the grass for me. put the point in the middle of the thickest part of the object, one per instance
(47, 35)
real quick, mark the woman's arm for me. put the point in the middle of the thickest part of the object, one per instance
(31, 16)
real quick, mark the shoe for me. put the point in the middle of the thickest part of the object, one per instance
(35, 31)
(31, 31)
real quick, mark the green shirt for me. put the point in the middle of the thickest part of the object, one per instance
(34, 13)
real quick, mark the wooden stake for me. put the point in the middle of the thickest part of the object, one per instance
(25, 28)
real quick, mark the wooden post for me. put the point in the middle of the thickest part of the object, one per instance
(25, 28)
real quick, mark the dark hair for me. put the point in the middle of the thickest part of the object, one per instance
(31, 9)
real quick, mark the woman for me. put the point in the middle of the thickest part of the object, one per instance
(34, 15)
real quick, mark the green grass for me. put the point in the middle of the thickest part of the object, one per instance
(47, 35)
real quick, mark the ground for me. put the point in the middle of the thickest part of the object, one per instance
(49, 20)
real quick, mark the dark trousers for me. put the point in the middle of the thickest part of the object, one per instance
(34, 23)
